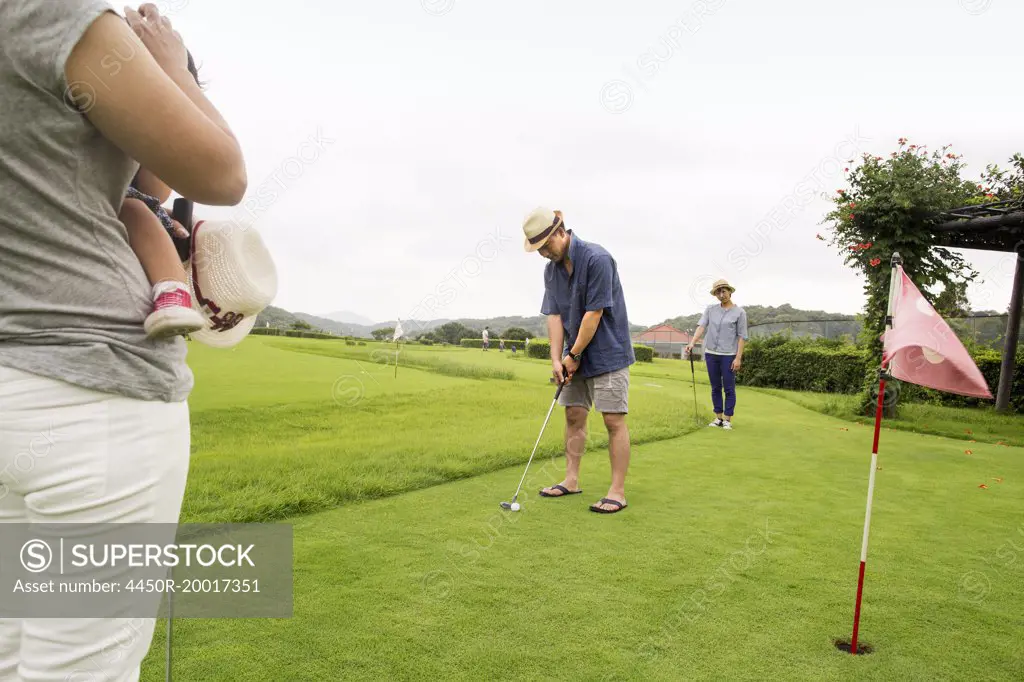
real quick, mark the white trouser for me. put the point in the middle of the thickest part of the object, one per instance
(72, 455)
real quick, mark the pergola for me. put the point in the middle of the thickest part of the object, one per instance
(998, 226)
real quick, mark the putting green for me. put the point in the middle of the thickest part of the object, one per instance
(736, 559)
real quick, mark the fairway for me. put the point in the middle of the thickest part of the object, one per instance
(736, 558)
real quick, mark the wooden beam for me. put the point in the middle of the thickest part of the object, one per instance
(1008, 366)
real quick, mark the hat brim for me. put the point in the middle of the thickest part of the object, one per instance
(732, 290)
(225, 339)
(530, 248)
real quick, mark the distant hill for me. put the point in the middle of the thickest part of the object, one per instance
(348, 317)
(278, 317)
(536, 324)
(759, 314)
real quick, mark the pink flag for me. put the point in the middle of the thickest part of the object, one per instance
(922, 349)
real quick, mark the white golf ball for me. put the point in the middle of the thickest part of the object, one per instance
(515, 506)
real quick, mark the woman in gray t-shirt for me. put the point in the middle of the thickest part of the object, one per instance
(94, 423)
(726, 327)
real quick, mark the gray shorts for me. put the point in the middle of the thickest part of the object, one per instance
(606, 392)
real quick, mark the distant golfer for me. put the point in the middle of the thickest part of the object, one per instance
(487, 338)
(590, 342)
(726, 324)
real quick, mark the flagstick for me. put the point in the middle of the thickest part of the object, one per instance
(896, 261)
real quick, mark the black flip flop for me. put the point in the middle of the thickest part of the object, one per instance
(565, 491)
(607, 500)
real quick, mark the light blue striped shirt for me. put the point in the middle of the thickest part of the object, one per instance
(724, 327)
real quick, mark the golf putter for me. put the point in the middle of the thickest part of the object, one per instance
(693, 376)
(508, 505)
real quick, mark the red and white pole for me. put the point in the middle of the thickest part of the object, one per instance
(896, 262)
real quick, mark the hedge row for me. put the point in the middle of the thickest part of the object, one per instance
(542, 350)
(496, 343)
(295, 333)
(834, 367)
(802, 365)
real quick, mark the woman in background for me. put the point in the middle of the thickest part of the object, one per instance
(726, 327)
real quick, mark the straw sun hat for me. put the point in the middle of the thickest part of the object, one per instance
(539, 226)
(231, 277)
(719, 283)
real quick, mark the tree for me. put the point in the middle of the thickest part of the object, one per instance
(381, 334)
(454, 332)
(516, 334)
(300, 324)
(890, 206)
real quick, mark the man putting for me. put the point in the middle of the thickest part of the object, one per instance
(589, 333)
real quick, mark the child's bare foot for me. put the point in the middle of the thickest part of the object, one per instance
(172, 314)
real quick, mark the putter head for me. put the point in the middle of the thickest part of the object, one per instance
(506, 505)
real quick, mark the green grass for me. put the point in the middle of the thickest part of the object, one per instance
(737, 558)
(310, 431)
(976, 425)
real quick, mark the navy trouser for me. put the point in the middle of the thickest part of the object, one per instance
(722, 377)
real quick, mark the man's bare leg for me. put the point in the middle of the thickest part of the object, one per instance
(618, 454)
(575, 444)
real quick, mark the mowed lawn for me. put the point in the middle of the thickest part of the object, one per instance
(736, 559)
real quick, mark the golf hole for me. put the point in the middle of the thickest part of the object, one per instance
(862, 648)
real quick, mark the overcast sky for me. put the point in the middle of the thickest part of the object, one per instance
(393, 148)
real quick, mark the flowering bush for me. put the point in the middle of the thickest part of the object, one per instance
(890, 206)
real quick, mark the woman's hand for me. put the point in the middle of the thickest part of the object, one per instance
(162, 41)
(737, 363)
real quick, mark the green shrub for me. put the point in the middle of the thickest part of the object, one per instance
(350, 342)
(426, 342)
(540, 349)
(643, 353)
(802, 364)
(362, 343)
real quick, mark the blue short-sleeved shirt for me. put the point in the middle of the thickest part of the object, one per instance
(725, 327)
(594, 285)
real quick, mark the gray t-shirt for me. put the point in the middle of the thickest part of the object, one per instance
(724, 328)
(73, 295)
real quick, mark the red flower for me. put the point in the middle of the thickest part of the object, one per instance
(853, 204)
(875, 261)
(868, 245)
(851, 216)
(846, 170)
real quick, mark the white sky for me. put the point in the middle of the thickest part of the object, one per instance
(444, 122)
